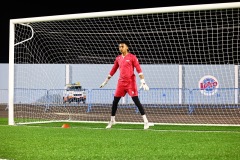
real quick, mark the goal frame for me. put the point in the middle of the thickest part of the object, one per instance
(92, 15)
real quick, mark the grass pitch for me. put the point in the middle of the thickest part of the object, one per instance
(124, 142)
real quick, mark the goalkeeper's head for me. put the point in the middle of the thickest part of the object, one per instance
(124, 42)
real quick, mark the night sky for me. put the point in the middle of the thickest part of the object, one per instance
(25, 9)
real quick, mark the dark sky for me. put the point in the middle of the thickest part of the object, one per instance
(24, 9)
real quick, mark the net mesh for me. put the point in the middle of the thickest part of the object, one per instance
(190, 61)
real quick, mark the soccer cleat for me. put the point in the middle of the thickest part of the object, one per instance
(146, 125)
(110, 124)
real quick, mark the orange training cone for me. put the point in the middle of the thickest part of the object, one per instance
(65, 126)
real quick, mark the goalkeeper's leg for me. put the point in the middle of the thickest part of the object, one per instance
(141, 110)
(114, 110)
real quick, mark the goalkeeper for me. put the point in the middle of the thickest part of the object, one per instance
(126, 62)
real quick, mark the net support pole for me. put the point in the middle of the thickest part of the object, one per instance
(180, 83)
(236, 83)
(68, 74)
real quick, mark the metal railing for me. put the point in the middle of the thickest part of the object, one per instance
(155, 97)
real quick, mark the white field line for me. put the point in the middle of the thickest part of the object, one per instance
(152, 130)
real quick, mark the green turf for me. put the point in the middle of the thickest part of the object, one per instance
(123, 142)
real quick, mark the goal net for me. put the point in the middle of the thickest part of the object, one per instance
(188, 54)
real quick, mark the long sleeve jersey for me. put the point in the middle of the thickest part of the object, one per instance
(126, 67)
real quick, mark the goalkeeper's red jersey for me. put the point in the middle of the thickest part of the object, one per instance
(126, 67)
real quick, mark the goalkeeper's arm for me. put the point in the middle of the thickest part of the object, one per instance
(106, 81)
(143, 83)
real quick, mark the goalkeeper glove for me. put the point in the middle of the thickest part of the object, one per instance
(105, 82)
(144, 85)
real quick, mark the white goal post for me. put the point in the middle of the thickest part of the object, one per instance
(189, 56)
